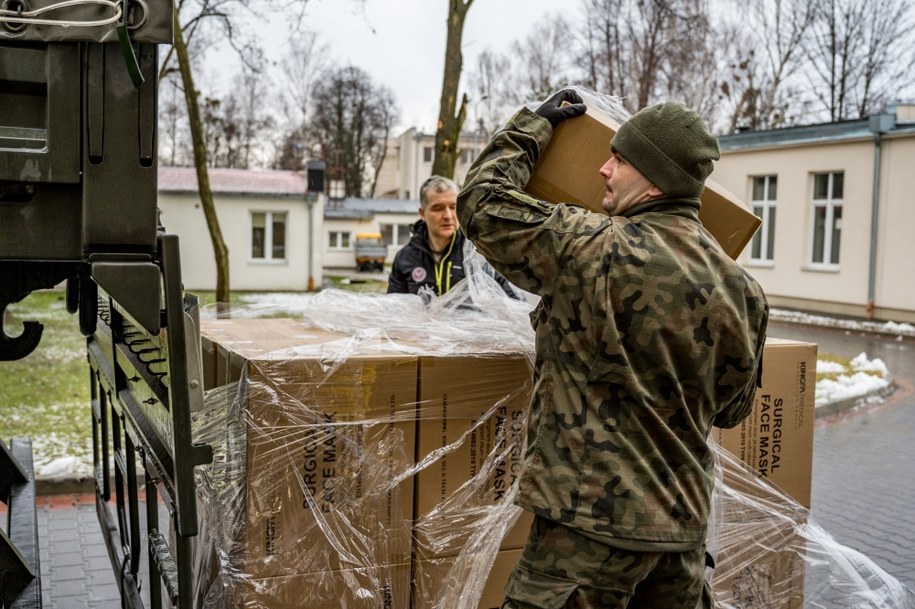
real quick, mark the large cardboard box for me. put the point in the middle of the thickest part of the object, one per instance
(777, 438)
(567, 172)
(441, 582)
(324, 440)
(472, 417)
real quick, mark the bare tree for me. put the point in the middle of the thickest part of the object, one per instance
(304, 60)
(449, 123)
(351, 123)
(860, 54)
(237, 124)
(173, 149)
(603, 55)
(535, 67)
(767, 54)
(542, 59)
(220, 250)
(493, 91)
(888, 55)
(645, 50)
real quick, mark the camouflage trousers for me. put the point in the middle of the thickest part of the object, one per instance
(562, 569)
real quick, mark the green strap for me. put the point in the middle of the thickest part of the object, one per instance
(130, 58)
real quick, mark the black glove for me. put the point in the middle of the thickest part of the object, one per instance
(553, 110)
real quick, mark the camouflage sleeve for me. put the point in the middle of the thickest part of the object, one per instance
(527, 240)
(740, 407)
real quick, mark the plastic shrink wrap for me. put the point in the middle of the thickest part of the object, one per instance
(366, 451)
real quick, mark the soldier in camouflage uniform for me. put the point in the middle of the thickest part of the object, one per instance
(647, 334)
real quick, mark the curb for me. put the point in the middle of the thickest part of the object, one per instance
(842, 406)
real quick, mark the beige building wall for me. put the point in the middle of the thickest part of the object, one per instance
(408, 163)
(181, 215)
(895, 288)
(791, 279)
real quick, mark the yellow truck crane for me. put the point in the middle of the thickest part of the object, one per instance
(371, 252)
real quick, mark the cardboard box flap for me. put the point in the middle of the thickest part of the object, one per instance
(567, 172)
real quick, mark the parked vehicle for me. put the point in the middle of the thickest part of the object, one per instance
(371, 252)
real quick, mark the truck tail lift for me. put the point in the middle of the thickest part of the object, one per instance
(78, 204)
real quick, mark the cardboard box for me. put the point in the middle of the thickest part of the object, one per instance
(322, 439)
(770, 571)
(777, 438)
(384, 587)
(231, 342)
(567, 172)
(469, 408)
(441, 582)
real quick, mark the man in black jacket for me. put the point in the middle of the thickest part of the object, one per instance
(434, 257)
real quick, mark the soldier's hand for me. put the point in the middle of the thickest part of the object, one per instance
(553, 110)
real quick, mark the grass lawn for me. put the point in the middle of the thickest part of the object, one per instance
(45, 396)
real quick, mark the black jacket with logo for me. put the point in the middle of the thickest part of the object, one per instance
(415, 266)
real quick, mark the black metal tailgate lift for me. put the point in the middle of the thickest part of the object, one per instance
(78, 193)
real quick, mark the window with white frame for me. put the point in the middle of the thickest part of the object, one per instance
(827, 217)
(395, 234)
(765, 192)
(338, 240)
(268, 235)
(427, 154)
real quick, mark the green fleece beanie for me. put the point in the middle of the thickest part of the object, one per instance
(670, 146)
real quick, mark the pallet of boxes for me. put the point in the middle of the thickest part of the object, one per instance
(357, 472)
(377, 469)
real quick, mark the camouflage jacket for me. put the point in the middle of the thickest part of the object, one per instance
(647, 334)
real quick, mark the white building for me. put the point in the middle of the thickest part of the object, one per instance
(279, 238)
(836, 204)
(272, 230)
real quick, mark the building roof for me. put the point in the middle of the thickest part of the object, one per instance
(839, 131)
(234, 181)
(367, 208)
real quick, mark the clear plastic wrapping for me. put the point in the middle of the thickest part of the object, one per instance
(366, 451)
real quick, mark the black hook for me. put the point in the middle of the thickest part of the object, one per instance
(17, 347)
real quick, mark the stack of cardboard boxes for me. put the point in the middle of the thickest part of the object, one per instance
(370, 473)
(377, 475)
(323, 508)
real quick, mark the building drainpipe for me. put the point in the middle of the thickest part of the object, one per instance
(879, 124)
(311, 245)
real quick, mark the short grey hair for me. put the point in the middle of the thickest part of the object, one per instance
(437, 184)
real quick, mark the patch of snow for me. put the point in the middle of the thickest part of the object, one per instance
(846, 386)
(860, 363)
(69, 468)
(892, 327)
(860, 325)
(829, 367)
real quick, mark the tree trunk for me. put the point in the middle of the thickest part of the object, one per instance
(449, 124)
(221, 252)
